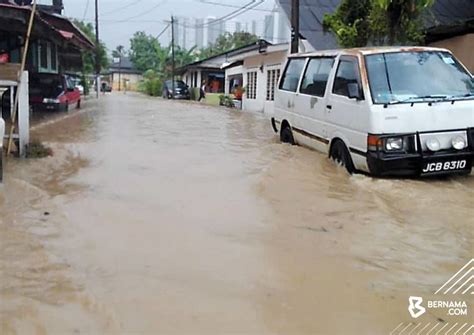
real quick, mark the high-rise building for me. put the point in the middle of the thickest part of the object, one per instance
(284, 28)
(254, 27)
(177, 34)
(215, 28)
(211, 32)
(269, 27)
(199, 33)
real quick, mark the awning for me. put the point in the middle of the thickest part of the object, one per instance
(52, 26)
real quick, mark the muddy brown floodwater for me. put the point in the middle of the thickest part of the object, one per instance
(155, 217)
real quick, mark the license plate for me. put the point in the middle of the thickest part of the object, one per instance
(446, 166)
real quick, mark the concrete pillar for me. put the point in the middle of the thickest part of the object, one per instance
(24, 114)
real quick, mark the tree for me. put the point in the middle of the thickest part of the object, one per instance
(377, 22)
(399, 21)
(227, 42)
(119, 52)
(88, 57)
(350, 23)
(147, 53)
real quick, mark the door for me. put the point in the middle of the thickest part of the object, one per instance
(310, 102)
(285, 99)
(72, 93)
(348, 118)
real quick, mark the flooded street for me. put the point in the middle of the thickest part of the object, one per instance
(158, 217)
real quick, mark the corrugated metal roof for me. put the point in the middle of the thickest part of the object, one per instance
(311, 21)
(450, 16)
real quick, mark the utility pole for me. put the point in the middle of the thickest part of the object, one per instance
(295, 26)
(120, 71)
(97, 51)
(172, 58)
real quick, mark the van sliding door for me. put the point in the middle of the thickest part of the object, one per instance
(310, 102)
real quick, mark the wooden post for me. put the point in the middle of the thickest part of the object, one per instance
(20, 74)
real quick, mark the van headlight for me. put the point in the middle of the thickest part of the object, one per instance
(433, 144)
(394, 144)
(459, 143)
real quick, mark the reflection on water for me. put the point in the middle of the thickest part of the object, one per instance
(155, 216)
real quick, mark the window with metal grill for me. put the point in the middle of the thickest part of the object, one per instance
(252, 85)
(272, 81)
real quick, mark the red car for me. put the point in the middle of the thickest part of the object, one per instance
(55, 92)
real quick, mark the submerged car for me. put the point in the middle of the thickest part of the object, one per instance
(181, 90)
(381, 111)
(53, 92)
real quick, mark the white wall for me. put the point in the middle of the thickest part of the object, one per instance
(269, 61)
(232, 72)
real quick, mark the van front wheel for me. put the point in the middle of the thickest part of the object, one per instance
(286, 135)
(341, 156)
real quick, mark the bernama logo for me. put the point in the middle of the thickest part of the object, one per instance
(450, 298)
(454, 308)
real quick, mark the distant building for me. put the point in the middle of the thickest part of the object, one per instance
(284, 28)
(254, 27)
(214, 29)
(269, 27)
(199, 33)
(124, 76)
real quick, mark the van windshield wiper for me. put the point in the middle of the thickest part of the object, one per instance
(461, 96)
(422, 98)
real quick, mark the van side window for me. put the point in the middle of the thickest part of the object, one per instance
(292, 74)
(347, 73)
(316, 77)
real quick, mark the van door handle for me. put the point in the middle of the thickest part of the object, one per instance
(328, 106)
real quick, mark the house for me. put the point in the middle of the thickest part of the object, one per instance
(256, 67)
(56, 43)
(448, 23)
(258, 70)
(207, 70)
(451, 26)
(123, 75)
(56, 46)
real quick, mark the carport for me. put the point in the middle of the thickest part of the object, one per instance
(55, 46)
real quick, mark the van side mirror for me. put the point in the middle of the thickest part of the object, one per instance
(354, 91)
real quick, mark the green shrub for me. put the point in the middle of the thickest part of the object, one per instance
(227, 101)
(152, 84)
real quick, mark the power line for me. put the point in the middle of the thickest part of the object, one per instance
(243, 9)
(143, 13)
(133, 3)
(163, 31)
(85, 10)
(233, 6)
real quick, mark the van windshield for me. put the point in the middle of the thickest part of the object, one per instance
(417, 76)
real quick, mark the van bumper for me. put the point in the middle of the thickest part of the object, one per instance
(419, 165)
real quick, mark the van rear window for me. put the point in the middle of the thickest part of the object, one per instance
(292, 75)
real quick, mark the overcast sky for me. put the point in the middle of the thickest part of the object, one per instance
(121, 18)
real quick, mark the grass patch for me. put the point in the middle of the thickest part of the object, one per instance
(38, 150)
(212, 99)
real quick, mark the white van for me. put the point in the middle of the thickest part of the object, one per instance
(2, 134)
(382, 111)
